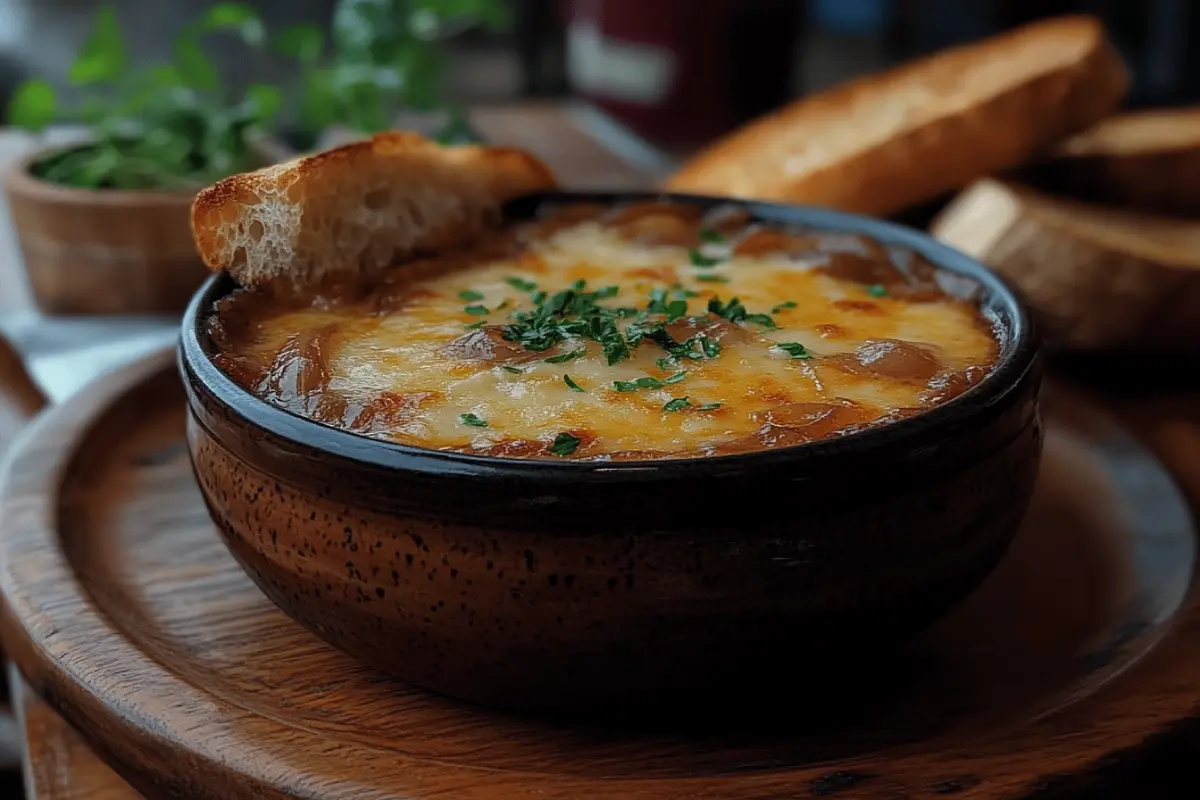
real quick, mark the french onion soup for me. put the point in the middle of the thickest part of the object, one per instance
(646, 331)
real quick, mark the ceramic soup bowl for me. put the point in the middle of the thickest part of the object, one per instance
(536, 584)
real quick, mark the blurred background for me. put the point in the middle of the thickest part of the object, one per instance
(733, 58)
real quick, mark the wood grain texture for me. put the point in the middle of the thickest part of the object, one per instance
(135, 623)
(58, 764)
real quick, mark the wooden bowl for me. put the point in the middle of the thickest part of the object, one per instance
(103, 251)
(577, 586)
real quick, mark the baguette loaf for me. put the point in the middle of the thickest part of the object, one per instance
(880, 144)
(359, 207)
(1097, 278)
(1148, 160)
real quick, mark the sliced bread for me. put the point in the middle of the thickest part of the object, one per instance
(362, 206)
(880, 144)
(1149, 160)
(1096, 277)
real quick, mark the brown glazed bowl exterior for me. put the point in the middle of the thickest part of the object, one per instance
(581, 585)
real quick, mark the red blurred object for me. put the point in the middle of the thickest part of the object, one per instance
(680, 72)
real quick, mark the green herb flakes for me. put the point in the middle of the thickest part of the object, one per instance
(520, 284)
(564, 444)
(783, 305)
(470, 295)
(877, 290)
(795, 350)
(698, 259)
(563, 358)
(474, 326)
(711, 347)
(678, 404)
(513, 370)
(710, 236)
(476, 311)
(708, 407)
(734, 311)
(472, 420)
(571, 384)
(712, 278)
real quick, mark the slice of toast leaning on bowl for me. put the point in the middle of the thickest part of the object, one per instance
(554, 450)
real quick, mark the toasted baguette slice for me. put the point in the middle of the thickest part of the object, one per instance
(362, 206)
(1097, 277)
(1149, 160)
(880, 144)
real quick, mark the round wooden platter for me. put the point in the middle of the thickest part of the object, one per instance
(124, 611)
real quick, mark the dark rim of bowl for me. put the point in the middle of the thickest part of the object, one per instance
(1015, 331)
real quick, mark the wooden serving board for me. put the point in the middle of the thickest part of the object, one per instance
(125, 612)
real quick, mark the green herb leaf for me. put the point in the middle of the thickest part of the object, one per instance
(698, 259)
(564, 444)
(877, 290)
(303, 42)
(472, 420)
(103, 57)
(563, 358)
(712, 278)
(783, 305)
(676, 309)
(33, 106)
(476, 311)
(625, 386)
(473, 326)
(572, 385)
(762, 319)
(795, 350)
(711, 347)
(666, 363)
(711, 236)
(709, 407)
(470, 295)
(263, 102)
(676, 378)
(678, 404)
(241, 18)
(513, 370)
(520, 284)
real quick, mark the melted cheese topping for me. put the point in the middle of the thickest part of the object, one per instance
(839, 334)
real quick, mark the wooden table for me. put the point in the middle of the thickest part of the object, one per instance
(586, 151)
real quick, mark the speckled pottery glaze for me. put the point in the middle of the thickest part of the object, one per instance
(541, 585)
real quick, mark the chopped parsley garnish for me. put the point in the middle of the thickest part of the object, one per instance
(666, 363)
(683, 291)
(472, 420)
(711, 347)
(513, 370)
(571, 313)
(572, 385)
(476, 311)
(711, 236)
(698, 259)
(469, 295)
(471, 326)
(783, 305)
(564, 444)
(734, 311)
(520, 284)
(678, 404)
(648, 383)
(795, 350)
(877, 290)
(712, 278)
(563, 358)
(708, 407)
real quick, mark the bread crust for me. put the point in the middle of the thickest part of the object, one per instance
(911, 163)
(359, 207)
(1097, 278)
(1148, 160)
